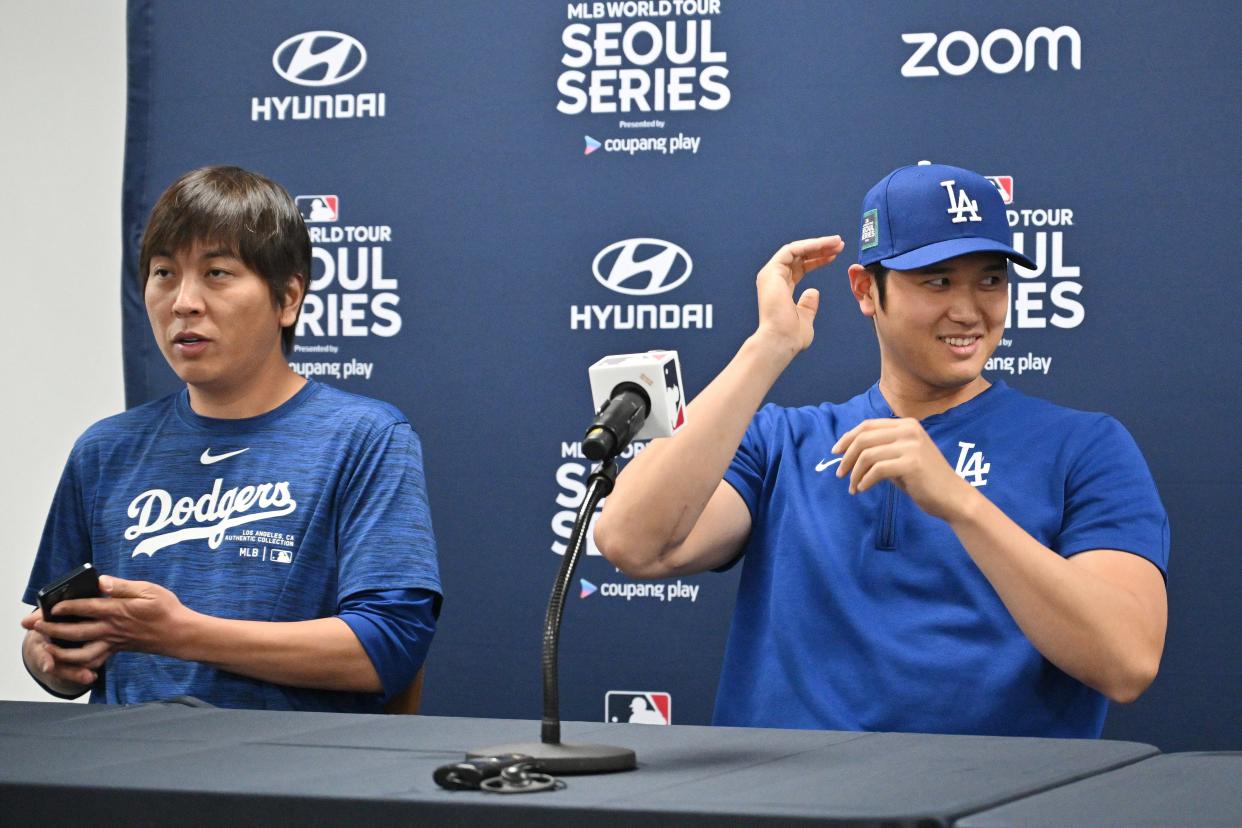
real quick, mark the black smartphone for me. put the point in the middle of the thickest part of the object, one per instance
(82, 582)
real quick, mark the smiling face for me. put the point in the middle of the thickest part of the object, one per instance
(215, 319)
(938, 324)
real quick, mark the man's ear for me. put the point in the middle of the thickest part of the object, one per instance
(295, 292)
(862, 285)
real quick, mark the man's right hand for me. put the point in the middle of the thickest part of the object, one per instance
(67, 670)
(781, 319)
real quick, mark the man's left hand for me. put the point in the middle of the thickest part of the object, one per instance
(135, 615)
(900, 450)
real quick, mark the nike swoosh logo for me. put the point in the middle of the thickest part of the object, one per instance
(823, 464)
(207, 459)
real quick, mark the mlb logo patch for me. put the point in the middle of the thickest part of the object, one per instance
(284, 556)
(1004, 185)
(318, 208)
(638, 707)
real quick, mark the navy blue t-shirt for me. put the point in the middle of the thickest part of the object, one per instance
(292, 515)
(862, 612)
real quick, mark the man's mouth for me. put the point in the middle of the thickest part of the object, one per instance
(960, 341)
(189, 343)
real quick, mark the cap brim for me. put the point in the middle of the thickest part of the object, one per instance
(930, 254)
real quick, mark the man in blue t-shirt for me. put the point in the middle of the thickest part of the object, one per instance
(940, 553)
(263, 541)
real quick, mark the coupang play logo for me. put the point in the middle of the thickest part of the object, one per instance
(319, 59)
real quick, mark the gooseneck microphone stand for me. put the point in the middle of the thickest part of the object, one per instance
(615, 425)
(550, 754)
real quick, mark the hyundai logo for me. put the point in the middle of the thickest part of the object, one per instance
(337, 59)
(663, 264)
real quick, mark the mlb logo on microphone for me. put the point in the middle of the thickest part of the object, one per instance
(317, 209)
(638, 707)
(657, 374)
(1004, 185)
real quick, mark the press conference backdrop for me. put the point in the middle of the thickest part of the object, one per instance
(501, 193)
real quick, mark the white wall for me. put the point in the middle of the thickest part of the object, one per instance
(62, 132)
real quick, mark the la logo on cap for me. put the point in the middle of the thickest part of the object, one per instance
(961, 204)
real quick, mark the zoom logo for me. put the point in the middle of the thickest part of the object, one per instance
(1001, 51)
(642, 267)
(319, 58)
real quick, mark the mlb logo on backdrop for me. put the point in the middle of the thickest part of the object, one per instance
(1004, 185)
(318, 208)
(638, 707)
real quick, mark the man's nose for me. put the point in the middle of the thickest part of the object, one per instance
(189, 299)
(964, 306)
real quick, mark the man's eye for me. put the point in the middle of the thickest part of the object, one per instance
(992, 281)
(217, 273)
(941, 282)
(160, 272)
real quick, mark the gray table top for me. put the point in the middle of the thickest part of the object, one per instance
(1200, 789)
(198, 766)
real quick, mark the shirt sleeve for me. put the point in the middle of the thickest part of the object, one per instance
(1111, 500)
(384, 531)
(66, 542)
(750, 462)
(395, 628)
(747, 471)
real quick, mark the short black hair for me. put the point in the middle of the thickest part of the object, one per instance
(236, 210)
(879, 274)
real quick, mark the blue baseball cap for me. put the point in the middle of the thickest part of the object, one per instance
(926, 213)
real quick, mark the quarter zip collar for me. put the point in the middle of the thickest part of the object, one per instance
(881, 409)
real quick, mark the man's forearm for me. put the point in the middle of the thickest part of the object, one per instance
(663, 490)
(322, 653)
(1091, 627)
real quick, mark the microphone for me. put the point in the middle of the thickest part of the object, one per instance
(638, 397)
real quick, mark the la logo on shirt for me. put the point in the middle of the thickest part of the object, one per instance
(971, 466)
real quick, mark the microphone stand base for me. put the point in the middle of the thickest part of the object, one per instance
(567, 759)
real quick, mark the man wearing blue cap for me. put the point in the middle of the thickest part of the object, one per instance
(940, 553)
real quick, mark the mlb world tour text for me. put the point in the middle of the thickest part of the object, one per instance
(350, 296)
(1028, 308)
(610, 64)
(365, 301)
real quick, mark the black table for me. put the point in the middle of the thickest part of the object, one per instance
(1200, 789)
(171, 764)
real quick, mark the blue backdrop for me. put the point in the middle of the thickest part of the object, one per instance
(462, 166)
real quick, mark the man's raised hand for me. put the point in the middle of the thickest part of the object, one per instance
(780, 317)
